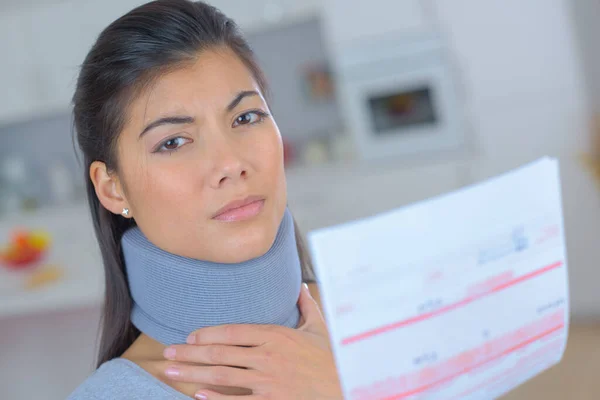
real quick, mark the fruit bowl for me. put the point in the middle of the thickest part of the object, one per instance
(25, 249)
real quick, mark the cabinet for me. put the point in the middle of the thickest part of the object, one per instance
(350, 24)
(61, 35)
(333, 194)
(17, 73)
(42, 47)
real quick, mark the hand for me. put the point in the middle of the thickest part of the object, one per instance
(272, 361)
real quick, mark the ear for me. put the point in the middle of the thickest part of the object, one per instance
(108, 189)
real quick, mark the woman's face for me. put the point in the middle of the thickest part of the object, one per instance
(198, 143)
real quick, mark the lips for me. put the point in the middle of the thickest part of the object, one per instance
(240, 209)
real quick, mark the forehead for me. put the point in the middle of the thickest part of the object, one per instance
(208, 83)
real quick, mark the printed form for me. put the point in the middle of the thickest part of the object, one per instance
(463, 296)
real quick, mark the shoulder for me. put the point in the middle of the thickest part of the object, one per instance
(107, 382)
(121, 379)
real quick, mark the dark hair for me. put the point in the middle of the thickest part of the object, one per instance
(127, 57)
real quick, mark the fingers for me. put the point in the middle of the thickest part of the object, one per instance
(214, 375)
(233, 335)
(213, 355)
(311, 314)
(210, 395)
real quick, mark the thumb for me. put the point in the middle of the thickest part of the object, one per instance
(312, 319)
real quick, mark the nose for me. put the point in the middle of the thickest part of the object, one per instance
(229, 166)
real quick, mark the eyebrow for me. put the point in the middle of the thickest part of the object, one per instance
(174, 120)
(240, 96)
(181, 120)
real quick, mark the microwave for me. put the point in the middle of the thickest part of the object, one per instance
(401, 101)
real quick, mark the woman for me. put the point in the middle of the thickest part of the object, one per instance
(185, 181)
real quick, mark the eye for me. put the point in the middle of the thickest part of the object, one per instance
(172, 144)
(250, 118)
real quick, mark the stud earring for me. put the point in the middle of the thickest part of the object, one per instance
(126, 211)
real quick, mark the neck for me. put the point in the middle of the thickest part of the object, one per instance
(174, 295)
(148, 354)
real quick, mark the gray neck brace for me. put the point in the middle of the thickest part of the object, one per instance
(174, 295)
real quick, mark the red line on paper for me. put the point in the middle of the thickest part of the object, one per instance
(512, 372)
(467, 370)
(450, 307)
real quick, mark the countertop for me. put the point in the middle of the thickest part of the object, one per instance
(74, 251)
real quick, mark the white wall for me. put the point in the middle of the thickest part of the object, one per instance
(522, 69)
(522, 74)
(584, 200)
(586, 14)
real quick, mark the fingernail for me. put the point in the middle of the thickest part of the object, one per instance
(307, 290)
(191, 339)
(201, 396)
(172, 372)
(169, 353)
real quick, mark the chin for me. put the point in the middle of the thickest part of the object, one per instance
(249, 242)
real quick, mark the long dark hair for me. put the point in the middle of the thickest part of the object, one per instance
(127, 57)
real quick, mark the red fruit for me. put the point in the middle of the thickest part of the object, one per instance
(17, 259)
(21, 239)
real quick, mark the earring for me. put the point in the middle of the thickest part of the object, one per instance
(126, 211)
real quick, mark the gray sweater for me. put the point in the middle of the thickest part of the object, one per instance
(120, 379)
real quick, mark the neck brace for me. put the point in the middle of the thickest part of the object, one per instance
(174, 295)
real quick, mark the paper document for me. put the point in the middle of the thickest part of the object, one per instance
(464, 296)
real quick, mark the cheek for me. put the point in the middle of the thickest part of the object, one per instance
(272, 168)
(267, 155)
(268, 152)
(160, 183)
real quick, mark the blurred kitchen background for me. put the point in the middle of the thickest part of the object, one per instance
(381, 103)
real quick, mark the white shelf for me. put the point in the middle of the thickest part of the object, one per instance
(74, 249)
(62, 296)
